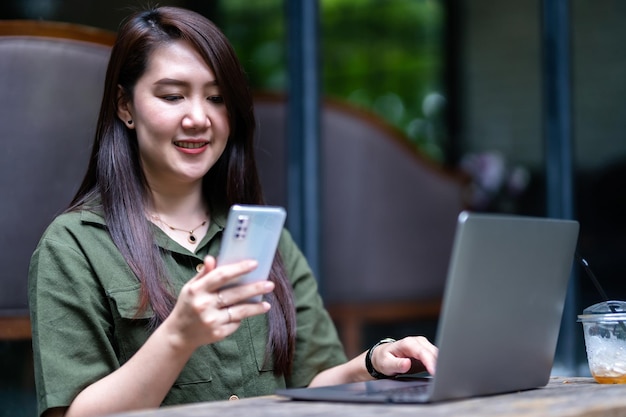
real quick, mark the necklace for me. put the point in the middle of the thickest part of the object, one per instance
(191, 238)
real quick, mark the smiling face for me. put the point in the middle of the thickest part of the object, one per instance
(179, 116)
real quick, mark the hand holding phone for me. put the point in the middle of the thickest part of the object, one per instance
(251, 232)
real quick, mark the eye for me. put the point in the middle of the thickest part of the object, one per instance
(216, 99)
(171, 97)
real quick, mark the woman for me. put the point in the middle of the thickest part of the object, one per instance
(125, 295)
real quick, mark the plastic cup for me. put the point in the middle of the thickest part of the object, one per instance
(604, 327)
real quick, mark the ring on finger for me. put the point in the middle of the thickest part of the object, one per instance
(230, 316)
(220, 300)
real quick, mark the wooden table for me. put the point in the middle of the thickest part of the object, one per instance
(561, 397)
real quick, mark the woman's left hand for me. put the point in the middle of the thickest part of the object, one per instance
(406, 356)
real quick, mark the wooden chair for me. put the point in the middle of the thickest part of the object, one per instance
(51, 78)
(388, 216)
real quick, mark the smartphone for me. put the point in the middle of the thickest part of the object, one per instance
(251, 232)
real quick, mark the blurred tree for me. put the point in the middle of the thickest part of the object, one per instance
(257, 31)
(387, 57)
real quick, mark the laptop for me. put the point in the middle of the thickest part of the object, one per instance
(500, 319)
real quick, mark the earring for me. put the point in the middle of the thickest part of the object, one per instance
(130, 122)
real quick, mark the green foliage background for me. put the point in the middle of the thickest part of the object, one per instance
(386, 56)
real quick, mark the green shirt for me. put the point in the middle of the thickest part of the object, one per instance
(83, 298)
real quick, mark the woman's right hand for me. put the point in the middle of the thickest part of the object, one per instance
(205, 313)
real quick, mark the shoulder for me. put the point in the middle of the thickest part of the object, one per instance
(297, 268)
(288, 247)
(286, 242)
(293, 259)
(75, 245)
(82, 232)
(67, 219)
(74, 225)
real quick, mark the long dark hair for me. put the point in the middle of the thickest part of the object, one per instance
(115, 178)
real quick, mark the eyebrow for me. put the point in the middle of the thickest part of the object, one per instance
(175, 82)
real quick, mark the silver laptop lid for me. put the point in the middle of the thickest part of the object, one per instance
(503, 303)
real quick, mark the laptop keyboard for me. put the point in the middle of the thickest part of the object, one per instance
(409, 394)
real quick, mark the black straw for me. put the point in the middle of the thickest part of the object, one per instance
(591, 275)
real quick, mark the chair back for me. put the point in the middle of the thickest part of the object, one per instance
(388, 214)
(51, 77)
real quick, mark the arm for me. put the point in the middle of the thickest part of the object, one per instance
(318, 346)
(141, 382)
(199, 317)
(408, 355)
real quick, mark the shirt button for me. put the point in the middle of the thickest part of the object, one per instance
(199, 267)
(233, 398)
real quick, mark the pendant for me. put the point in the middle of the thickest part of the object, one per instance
(192, 238)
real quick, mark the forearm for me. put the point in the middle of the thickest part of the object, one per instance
(142, 382)
(351, 371)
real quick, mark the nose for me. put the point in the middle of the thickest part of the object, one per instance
(197, 115)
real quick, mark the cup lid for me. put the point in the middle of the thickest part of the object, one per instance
(604, 311)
